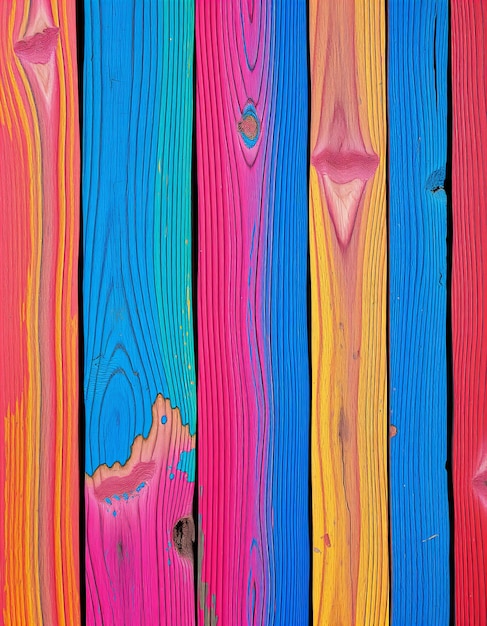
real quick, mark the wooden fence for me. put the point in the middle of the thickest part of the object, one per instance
(243, 371)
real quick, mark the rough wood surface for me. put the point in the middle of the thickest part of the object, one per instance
(417, 107)
(39, 217)
(348, 290)
(469, 308)
(253, 386)
(140, 391)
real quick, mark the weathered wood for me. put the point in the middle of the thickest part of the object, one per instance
(469, 308)
(348, 291)
(140, 390)
(420, 534)
(39, 226)
(253, 387)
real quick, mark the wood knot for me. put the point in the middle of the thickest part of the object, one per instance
(249, 125)
(436, 181)
(183, 536)
(344, 166)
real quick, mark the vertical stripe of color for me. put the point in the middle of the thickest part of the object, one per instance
(39, 229)
(469, 308)
(140, 388)
(420, 533)
(253, 386)
(348, 256)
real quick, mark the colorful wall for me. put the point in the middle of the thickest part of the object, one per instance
(243, 371)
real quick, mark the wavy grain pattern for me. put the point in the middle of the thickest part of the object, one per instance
(469, 308)
(253, 393)
(348, 291)
(39, 214)
(418, 278)
(140, 391)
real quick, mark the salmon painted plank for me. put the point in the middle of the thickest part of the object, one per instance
(469, 308)
(348, 249)
(39, 231)
(140, 391)
(253, 385)
(417, 106)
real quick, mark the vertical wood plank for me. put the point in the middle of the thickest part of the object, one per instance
(140, 391)
(253, 386)
(469, 308)
(420, 534)
(348, 288)
(39, 217)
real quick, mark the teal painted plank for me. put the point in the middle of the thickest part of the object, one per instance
(140, 388)
(137, 285)
(420, 535)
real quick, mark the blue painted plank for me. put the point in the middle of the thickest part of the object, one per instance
(287, 322)
(417, 84)
(137, 291)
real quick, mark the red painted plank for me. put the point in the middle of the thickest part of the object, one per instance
(469, 307)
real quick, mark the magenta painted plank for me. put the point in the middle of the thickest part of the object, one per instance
(253, 386)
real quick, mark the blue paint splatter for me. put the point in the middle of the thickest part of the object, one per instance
(141, 486)
(125, 496)
(163, 419)
(187, 464)
(108, 501)
(171, 476)
(114, 514)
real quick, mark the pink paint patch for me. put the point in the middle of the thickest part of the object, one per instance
(142, 472)
(343, 167)
(38, 48)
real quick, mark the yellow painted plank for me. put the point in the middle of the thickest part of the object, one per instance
(348, 248)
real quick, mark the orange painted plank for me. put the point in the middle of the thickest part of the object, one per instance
(39, 222)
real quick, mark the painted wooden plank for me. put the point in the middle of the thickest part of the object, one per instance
(140, 390)
(348, 295)
(253, 386)
(469, 308)
(39, 217)
(420, 533)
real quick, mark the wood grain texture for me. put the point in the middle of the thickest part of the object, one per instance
(348, 291)
(469, 308)
(420, 533)
(253, 386)
(140, 391)
(39, 227)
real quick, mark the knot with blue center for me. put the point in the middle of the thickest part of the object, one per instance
(249, 125)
